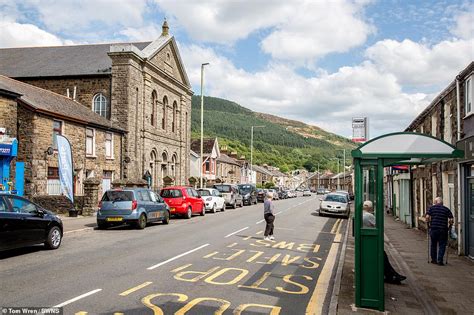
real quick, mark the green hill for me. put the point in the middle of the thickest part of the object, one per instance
(285, 143)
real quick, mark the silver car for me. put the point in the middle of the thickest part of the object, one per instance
(335, 204)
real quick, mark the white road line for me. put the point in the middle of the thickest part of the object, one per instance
(78, 230)
(176, 257)
(229, 235)
(260, 221)
(78, 298)
(278, 213)
(299, 204)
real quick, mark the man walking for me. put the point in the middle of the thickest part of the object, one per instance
(438, 216)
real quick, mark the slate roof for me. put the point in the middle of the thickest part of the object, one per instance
(224, 158)
(261, 169)
(208, 144)
(54, 104)
(28, 62)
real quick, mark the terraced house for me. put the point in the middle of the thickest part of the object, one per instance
(140, 88)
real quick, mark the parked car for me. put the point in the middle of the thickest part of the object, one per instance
(231, 194)
(320, 191)
(24, 223)
(135, 206)
(291, 194)
(249, 193)
(344, 192)
(212, 199)
(261, 193)
(274, 193)
(306, 192)
(335, 204)
(283, 194)
(183, 201)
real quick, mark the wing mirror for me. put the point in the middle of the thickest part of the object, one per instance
(40, 212)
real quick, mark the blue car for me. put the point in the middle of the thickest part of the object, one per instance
(135, 206)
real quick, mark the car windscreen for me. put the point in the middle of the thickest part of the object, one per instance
(203, 193)
(118, 195)
(335, 198)
(245, 189)
(223, 188)
(171, 193)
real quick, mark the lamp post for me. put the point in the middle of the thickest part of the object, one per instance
(251, 147)
(319, 175)
(344, 163)
(202, 121)
(337, 171)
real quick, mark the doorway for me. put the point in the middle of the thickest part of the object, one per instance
(470, 218)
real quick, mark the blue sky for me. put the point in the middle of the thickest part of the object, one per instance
(321, 62)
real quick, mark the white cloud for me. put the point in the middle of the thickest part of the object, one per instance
(418, 64)
(14, 34)
(146, 33)
(300, 31)
(464, 27)
(328, 100)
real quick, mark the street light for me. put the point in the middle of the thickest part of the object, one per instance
(251, 147)
(202, 121)
(336, 158)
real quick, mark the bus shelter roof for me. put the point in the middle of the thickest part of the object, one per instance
(407, 148)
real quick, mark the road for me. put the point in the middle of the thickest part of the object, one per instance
(204, 265)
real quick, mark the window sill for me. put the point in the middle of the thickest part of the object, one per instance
(468, 115)
(91, 156)
(110, 158)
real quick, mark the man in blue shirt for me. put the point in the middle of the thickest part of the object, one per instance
(439, 218)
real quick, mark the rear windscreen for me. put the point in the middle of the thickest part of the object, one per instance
(118, 195)
(223, 188)
(203, 193)
(171, 193)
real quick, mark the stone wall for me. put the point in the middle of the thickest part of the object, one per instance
(86, 87)
(36, 135)
(8, 115)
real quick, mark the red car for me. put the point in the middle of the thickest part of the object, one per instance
(183, 201)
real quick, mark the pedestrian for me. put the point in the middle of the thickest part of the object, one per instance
(439, 219)
(368, 221)
(269, 216)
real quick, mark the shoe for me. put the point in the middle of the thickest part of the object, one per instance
(434, 262)
(440, 263)
(392, 280)
(400, 277)
(271, 237)
(266, 238)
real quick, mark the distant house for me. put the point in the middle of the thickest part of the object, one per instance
(193, 167)
(228, 169)
(211, 153)
(262, 175)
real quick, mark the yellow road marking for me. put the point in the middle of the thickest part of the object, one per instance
(81, 313)
(315, 305)
(138, 287)
(335, 226)
(338, 237)
(181, 268)
(259, 232)
(232, 245)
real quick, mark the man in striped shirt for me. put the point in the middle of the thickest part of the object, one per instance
(440, 218)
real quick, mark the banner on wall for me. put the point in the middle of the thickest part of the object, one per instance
(65, 166)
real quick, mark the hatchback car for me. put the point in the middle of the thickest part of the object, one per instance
(24, 223)
(135, 206)
(261, 194)
(212, 199)
(274, 194)
(335, 204)
(306, 193)
(320, 191)
(183, 201)
(249, 194)
(231, 194)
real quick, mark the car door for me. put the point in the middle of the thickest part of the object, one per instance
(199, 203)
(219, 200)
(156, 208)
(10, 227)
(146, 203)
(32, 225)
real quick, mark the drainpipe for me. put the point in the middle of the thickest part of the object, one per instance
(458, 137)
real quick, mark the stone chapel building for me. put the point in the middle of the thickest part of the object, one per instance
(141, 88)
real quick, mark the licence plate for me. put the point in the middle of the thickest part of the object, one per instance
(172, 209)
(114, 219)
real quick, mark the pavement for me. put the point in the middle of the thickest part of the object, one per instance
(204, 265)
(429, 288)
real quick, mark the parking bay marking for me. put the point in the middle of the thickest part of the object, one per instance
(138, 287)
(178, 256)
(233, 233)
(78, 298)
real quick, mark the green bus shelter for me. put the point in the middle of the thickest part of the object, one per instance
(370, 159)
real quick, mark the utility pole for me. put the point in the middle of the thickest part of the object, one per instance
(202, 122)
(251, 148)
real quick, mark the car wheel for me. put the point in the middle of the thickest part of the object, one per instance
(214, 208)
(223, 206)
(54, 238)
(166, 220)
(102, 225)
(141, 224)
(320, 214)
(203, 211)
(189, 213)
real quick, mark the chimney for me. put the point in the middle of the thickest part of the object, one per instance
(165, 29)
